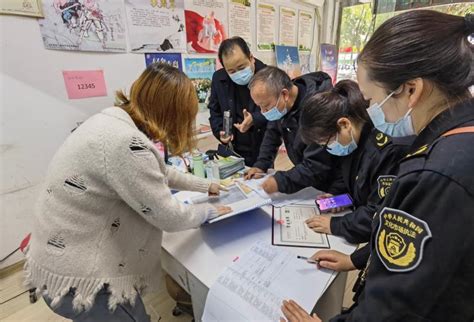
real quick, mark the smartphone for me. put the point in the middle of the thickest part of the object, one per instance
(338, 201)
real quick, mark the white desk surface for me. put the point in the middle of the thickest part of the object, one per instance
(206, 251)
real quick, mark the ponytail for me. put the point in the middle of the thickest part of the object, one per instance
(322, 111)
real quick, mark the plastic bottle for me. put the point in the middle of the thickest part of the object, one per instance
(198, 165)
(212, 169)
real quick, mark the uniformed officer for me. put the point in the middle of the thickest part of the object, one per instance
(416, 70)
(338, 121)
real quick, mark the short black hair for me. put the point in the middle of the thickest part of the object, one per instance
(274, 78)
(227, 45)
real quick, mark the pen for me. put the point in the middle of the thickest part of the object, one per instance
(309, 260)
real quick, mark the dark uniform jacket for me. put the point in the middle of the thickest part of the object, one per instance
(313, 164)
(368, 174)
(227, 95)
(422, 249)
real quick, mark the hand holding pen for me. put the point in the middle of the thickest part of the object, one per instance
(331, 259)
(308, 260)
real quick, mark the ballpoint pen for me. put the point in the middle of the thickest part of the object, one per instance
(309, 260)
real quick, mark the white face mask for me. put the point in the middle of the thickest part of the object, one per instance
(402, 127)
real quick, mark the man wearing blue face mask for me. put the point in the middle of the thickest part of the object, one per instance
(229, 92)
(280, 100)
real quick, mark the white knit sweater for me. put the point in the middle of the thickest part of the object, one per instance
(102, 211)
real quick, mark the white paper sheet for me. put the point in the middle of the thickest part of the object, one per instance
(236, 198)
(290, 229)
(156, 26)
(306, 195)
(254, 286)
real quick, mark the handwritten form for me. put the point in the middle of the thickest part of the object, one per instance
(254, 287)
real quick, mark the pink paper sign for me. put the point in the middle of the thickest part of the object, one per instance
(84, 83)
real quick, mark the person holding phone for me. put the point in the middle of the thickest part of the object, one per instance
(416, 70)
(368, 159)
(106, 201)
(338, 120)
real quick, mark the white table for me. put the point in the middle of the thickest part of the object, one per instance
(195, 258)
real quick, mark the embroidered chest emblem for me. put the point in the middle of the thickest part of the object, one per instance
(384, 184)
(400, 240)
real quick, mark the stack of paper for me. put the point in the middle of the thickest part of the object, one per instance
(254, 286)
(229, 166)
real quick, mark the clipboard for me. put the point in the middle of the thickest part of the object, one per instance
(293, 232)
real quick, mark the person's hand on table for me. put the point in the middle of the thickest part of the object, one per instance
(246, 123)
(319, 224)
(253, 173)
(270, 185)
(225, 139)
(332, 259)
(295, 313)
(215, 189)
(223, 210)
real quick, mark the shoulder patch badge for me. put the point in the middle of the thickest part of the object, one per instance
(384, 184)
(381, 139)
(400, 240)
(421, 151)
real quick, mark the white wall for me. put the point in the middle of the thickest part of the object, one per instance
(36, 115)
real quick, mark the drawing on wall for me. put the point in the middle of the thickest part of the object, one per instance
(240, 12)
(205, 25)
(164, 58)
(83, 25)
(200, 71)
(288, 59)
(329, 60)
(288, 27)
(305, 30)
(266, 37)
(156, 26)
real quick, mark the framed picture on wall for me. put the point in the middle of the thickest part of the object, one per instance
(30, 8)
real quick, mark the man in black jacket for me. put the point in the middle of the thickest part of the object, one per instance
(280, 100)
(229, 92)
